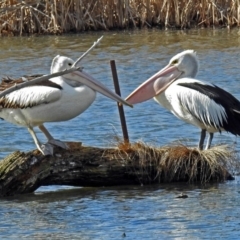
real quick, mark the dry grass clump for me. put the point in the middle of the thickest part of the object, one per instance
(55, 16)
(178, 163)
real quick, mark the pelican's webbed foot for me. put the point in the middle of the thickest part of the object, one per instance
(58, 143)
(47, 149)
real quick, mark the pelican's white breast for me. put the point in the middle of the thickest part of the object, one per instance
(38, 104)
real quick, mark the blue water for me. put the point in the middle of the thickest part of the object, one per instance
(139, 212)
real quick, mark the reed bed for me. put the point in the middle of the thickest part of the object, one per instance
(64, 16)
(178, 163)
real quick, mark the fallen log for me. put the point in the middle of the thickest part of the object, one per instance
(126, 164)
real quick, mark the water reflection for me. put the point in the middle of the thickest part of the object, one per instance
(138, 211)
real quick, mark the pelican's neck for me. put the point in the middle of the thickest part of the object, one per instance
(62, 80)
(58, 80)
(191, 68)
(72, 83)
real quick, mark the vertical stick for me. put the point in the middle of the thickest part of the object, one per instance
(120, 106)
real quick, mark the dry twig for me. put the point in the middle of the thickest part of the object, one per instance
(45, 77)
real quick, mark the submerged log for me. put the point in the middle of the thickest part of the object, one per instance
(126, 164)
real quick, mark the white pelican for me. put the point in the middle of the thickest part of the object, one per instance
(202, 104)
(57, 99)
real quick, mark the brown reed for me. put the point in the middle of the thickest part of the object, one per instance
(56, 17)
(178, 163)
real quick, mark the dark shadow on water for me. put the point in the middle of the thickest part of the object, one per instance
(69, 193)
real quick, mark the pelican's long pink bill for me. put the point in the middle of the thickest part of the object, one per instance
(89, 81)
(154, 85)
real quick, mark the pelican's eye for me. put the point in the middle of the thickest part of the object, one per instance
(70, 64)
(175, 61)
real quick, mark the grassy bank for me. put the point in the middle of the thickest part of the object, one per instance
(56, 17)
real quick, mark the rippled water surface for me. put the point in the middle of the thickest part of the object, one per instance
(135, 212)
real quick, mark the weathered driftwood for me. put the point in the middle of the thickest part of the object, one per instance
(90, 166)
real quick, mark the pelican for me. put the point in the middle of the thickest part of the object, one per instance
(199, 103)
(57, 99)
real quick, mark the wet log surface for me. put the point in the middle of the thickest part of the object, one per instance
(91, 166)
(81, 166)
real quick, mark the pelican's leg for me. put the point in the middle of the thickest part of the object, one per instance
(44, 149)
(209, 141)
(50, 138)
(202, 137)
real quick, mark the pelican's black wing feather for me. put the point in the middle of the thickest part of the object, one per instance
(222, 98)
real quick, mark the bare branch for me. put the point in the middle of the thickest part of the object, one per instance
(94, 45)
(37, 80)
(45, 77)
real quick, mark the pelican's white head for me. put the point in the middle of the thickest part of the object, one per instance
(78, 77)
(61, 63)
(184, 64)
